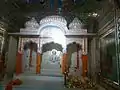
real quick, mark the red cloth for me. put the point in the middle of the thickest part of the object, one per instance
(1, 66)
(11, 83)
(17, 82)
(84, 64)
(8, 87)
(19, 63)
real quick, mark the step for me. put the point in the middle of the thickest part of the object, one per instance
(37, 82)
(53, 72)
(40, 78)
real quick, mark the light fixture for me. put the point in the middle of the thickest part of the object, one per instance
(94, 14)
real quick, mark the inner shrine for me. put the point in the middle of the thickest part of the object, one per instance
(51, 46)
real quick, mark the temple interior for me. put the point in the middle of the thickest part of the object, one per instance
(59, 44)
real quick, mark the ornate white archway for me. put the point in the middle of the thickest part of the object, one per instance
(53, 34)
(59, 24)
(54, 21)
(53, 28)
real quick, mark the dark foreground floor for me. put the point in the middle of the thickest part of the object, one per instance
(41, 83)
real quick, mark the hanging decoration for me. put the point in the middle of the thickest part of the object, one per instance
(51, 4)
(59, 3)
(42, 1)
(78, 1)
(60, 6)
(27, 1)
(35, 1)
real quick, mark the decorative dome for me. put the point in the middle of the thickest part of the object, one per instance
(32, 23)
(75, 24)
(58, 19)
(31, 27)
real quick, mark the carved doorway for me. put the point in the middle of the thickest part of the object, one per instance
(52, 44)
(29, 57)
(51, 59)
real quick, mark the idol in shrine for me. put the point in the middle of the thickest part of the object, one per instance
(54, 58)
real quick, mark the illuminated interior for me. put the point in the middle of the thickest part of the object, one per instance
(56, 34)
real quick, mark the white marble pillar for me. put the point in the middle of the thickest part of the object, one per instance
(11, 63)
(33, 62)
(74, 64)
(93, 60)
(26, 58)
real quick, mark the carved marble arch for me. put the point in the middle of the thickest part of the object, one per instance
(51, 52)
(53, 29)
(72, 47)
(48, 29)
(53, 21)
(51, 46)
(30, 45)
(80, 41)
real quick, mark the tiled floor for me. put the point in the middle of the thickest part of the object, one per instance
(42, 83)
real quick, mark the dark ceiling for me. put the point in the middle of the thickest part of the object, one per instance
(14, 13)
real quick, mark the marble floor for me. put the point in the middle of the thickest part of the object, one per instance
(38, 82)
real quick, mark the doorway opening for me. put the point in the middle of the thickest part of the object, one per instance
(53, 43)
(29, 56)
